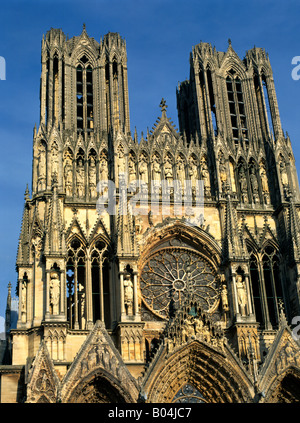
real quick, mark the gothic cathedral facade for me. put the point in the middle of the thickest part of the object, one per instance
(127, 294)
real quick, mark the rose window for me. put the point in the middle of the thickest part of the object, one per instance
(169, 275)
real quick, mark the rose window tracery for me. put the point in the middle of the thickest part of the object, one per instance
(188, 394)
(171, 274)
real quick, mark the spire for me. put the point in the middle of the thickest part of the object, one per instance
(294, 229)
(163, 106)
(232, 241)
(23, 247)
(8, 310)
(126, 243)
(54, 242)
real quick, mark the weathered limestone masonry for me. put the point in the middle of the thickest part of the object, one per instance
(184, 300)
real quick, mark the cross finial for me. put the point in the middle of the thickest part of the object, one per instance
(84, 27)
(163, 105)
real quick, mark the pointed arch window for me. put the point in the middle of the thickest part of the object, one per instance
(100, 283)
(76, 285)
(236, 108)
(84, 95)
(266, 285)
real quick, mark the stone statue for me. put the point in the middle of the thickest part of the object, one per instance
(198, 326)
(68, 175)
(128, 294)
(131, 169)
(54, 292)
(168, 171)
(205, 177)
(284, 176)
(143, 170)
(254, 184)
(80, 178)
(264, 183)
(41, 168)
(54, 159)
(193, 174)
(92, 178)
(24, 301)
(223, 172)
(156, 169)
(180, 171)
(264, 179)
(103, 167)
(224, 295)
(243, 184)
(241, 294)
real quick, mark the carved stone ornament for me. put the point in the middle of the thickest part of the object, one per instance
(98, 358)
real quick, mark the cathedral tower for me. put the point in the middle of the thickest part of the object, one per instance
(159, 269)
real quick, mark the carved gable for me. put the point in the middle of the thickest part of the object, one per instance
(43, 382)
(98, 356)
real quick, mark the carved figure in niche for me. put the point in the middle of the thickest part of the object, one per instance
(224, 294)
(223, 172)
(105, 357)
(206, 333)
(92, 178)
(54, 159)
(80, 178)
(168, 170)
(128, 294)
(103, 167)
(156, 174)
(188, 323)
(82, 305)
(41, 168)
(264, 183)
(283, 176)
(54, 292)
(24, 301)
(193, 174)
(241, 294)
(121, 164)
(254, 184)
(68, 176)
(205, 177)
(243, 183)
(198, 326)
(131, 169)
(180, 172)
(156, 168)
(143, 169)
(92, 358)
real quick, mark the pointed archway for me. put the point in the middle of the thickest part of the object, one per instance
(196, 366)
(286, 389)
(98, 373)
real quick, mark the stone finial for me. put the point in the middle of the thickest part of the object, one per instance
(163, 105)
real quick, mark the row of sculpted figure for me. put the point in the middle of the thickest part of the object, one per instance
(81, 174)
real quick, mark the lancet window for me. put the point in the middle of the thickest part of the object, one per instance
(266, 286)
(100, 282)
(84, 95)
(76, 285)
(236, 108)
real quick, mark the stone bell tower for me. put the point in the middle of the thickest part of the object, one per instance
(68, 278)
(230, 105)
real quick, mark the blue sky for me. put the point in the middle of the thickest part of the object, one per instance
(159, 36)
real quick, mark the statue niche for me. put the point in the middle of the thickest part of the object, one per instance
(41, 168)
(68, 174)
(80, 178)
(54, 290)
(92, 177)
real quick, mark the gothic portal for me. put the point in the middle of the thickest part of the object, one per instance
(164, 269)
